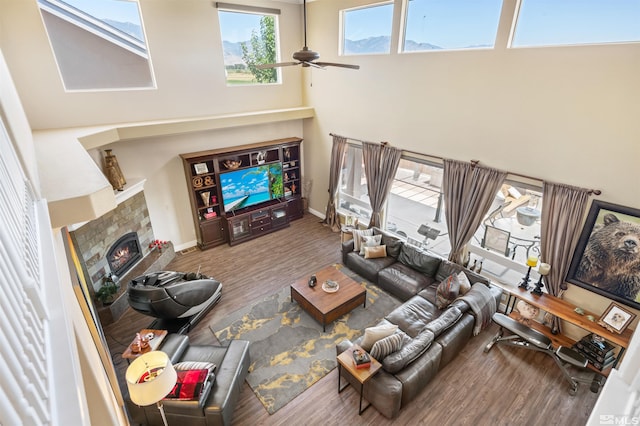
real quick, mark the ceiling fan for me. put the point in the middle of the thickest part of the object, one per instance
(307, 57)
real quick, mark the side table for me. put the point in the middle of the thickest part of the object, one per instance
(346, 233)
(154, 343)
(362, 375)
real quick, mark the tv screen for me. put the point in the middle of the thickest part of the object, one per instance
(251, 186)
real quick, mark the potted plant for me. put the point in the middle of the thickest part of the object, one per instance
(106, 294)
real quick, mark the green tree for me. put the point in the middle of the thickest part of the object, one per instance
(261, 49)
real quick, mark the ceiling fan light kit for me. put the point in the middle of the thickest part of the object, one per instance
(307, 57)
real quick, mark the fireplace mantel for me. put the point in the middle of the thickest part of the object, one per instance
(132, 187)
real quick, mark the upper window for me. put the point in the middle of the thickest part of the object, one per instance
(98, 44)
(570, 22)
(249, 39)
(451, 24)
(367, 30)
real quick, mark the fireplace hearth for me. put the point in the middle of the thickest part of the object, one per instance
(124, 253)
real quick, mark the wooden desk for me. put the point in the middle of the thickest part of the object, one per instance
(564, 310)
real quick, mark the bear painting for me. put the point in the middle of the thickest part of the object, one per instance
(611, 258)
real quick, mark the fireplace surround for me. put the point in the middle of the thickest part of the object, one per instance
(124, 253)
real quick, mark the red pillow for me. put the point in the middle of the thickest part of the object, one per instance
(189, 384)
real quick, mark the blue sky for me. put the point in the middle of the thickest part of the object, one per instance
(118, 10)
(236, 26)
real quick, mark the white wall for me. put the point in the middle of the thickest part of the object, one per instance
(184, 42)
(565, 114)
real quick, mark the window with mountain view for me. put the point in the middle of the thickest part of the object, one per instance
(451, 24)
(367, 30)
(571, 22)
(248, 40)
(98, 44)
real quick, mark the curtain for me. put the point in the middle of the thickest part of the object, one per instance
(337, 154)
(563, 209)
(469, 191)
(380, 165)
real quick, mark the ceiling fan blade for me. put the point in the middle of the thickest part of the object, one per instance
(333, 64)
(279, 64)
(312, 64)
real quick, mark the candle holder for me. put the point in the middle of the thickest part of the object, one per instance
(532, 261)
(543, 271)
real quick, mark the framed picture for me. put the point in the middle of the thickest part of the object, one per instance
(496, 239)
(607, 257)
(616, 318)
(201, 168)
(350, 221)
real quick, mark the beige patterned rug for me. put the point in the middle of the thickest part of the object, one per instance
(289, 350)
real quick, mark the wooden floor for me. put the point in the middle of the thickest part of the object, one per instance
(507, 386)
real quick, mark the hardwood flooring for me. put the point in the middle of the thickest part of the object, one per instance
(507, 386)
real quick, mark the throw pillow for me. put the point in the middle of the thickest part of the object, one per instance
(189, 384)
(373, 334)
(369, 241)
(195, 365)
(375, 252)
(394, 245)
(357, 237)
(447, 291)
(465, 284)
(386, 346)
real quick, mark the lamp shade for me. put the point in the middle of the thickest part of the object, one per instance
(150, 378)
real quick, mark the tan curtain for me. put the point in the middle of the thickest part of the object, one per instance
(337, 154)
(563, 209)
(468, 191)
(380, 164)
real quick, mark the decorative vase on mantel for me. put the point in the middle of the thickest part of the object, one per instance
(113, 172)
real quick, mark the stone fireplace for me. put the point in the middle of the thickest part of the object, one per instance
(124, 254)
(118, 243)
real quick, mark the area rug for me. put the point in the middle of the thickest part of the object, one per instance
(289, 350)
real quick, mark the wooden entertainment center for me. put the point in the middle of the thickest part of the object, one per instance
(242, 193)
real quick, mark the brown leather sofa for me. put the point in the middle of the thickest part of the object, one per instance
(433, 336)
(217, 405)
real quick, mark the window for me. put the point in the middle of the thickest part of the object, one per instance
(451, 24)
(509, 234)
(415, 207)
(353, 193)
(249, 39)
(570, 22)
(98, 44)
(367, 30)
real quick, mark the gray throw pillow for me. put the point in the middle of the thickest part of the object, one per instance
(394, 245)
(419, 261)
(386, 346)
(357, 237)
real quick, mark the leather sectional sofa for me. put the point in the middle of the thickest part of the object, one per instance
(215, 408)
(433, 337)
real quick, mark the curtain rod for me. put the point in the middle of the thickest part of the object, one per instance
(473, 162)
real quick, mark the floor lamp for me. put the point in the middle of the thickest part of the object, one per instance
(150, 378)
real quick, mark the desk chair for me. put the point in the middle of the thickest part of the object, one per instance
(529, 338)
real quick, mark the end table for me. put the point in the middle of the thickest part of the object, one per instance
(154, 343)
(362, 375)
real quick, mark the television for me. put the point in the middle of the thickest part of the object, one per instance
(251, 186)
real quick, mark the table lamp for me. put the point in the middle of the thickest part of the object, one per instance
(543, 270)
(150, 378)
(532, 262)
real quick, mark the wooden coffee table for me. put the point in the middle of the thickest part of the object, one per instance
(326, 307)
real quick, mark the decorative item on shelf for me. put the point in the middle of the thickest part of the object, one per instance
(150, 378)
(158, 244)
(361, 359)
(197, 182)
(527, 312)
(616, 319)
(313, 280)
(261, 157)
(232, 164)
(543, 270)
(287, 154)
(113, 172)
(286, 177)
(201, 168)
(579, 311)
(467, 259)
(214, 199)
(208, 180)
(293, 188)
(473, 267)
(532, 262)
(205, 197)
(210, 215)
